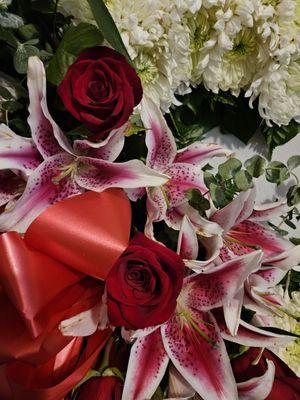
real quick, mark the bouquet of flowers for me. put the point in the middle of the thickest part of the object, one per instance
(136, 262)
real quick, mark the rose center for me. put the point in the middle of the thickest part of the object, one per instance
(97, 90)
(138, 277)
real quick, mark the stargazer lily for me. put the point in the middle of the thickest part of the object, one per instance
(182, 166)
(66, 170)
(242, 234)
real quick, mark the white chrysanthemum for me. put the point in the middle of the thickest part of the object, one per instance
(279, 94)
(80, 10)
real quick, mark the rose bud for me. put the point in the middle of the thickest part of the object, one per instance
(102, 387)
(143, 285)
(100, 89)
(286, 384)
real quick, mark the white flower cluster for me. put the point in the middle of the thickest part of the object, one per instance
(252, 45)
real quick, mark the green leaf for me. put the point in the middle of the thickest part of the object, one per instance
(108, 27)
(218, 196)
(28, 32)
(229, 168)
(295, 241)
(281, 232)
(209, 179)
(278, 135)
(21, 57)
(4, 93)
(9, 20)
(7, 36)
(243, 180)
(293, 195)
(197, 200)
(13, 85)
(11, 106)
(255, 165)
(293, 162)
(76, 39)
(277, 172)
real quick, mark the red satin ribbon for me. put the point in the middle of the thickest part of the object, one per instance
(49, 275)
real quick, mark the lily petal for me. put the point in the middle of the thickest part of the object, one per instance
(198, 152)
(17, 152)
(11, 186)
(250, 234)
(249, 335)
(183, 177)
(156, 209)
(41, 191)
(178, 387)
(147, 365)
(258, 387)
(285, 260)
(187, 246)
(108, 149)
(159, 139)
(227, 216)
(209, 373)
(45, 133)
(232, 311)
(267, 211)
(211, 289)
(98, 175)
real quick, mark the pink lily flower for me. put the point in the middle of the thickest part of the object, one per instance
(183, 167)
(66, 171)
(191, 338)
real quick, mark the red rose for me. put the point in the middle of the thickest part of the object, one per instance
(144, 284)
(101, 89)
(286, 384)
(104, 388)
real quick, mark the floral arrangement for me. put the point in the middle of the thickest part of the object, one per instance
(135, 260)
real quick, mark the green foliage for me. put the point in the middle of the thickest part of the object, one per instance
(278, 135)
(76, 39)
(243, 180)
(23, 52)
(198, 201)
(277, 172)
(107, 26)
(293, 162)
(229, 168)
(293, 195)
(9, 20)
(255, 166)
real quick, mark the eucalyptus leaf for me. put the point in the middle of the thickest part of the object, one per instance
(76, 39)
(243, 180)
(7, 36)
(229, 168)
(11, 105)
(293, 195)
(108, 27)
(255, 165)
(218, 196)
(209, 178)
(197, 200)
(21, 56)
(9, 20)
(295, 241)
(278, 135)
(5, 93)
(293, 162)
(277, 172)
(14, 86)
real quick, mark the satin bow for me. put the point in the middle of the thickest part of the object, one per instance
(54, 272)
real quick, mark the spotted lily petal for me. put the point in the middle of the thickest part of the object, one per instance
(196, 349)
(285, 260)
(98, 175)
(107, 149)
(11, 186)
(210, 289)
(232, 311)
(258, 387)
(159, 139)
(248, 234)
(17, 152)
(45, 133)
(249, 335)
(198, 152)
(41, 191)
(147, 365)
(183, 177)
